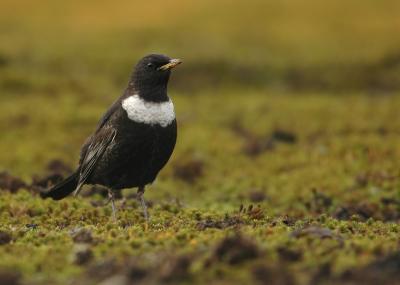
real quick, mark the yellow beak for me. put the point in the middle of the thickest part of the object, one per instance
(171, 64)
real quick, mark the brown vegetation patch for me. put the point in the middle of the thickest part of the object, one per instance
(255, 145)
(175, 269)
(319, 202)
(58, 166)
(43, 183)
(83, 256)
(228, 221)
(387, 210)
(266, 275)
(257, 195)
(189, 170)
(382, 271)
(11, 183)
(5, 237)
(56, 172)
(287, 254)
(236, 249)
(8, 277)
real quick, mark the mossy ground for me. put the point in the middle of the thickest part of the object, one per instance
(273, 186)
(341, 173)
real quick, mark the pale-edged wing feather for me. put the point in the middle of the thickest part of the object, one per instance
(95, 150)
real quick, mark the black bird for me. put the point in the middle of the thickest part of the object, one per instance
(133, 140)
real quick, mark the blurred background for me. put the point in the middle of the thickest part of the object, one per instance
(63, 62)
(301, 45)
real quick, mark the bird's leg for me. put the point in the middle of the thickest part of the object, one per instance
(140, 197)
(112, 200)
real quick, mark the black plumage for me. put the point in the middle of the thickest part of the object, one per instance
(133, 140)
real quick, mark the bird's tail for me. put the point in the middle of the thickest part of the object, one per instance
(62, 189)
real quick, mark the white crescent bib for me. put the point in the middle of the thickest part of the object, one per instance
(152, 113)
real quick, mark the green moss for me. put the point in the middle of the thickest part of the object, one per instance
(339, 175)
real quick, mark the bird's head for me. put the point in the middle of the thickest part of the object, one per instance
(151, 74)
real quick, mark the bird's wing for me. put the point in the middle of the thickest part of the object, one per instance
(102, 122)
(108, 114)
(97, 145)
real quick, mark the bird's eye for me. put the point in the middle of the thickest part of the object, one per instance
(149, 64)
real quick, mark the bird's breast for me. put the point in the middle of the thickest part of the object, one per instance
(151, 113)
